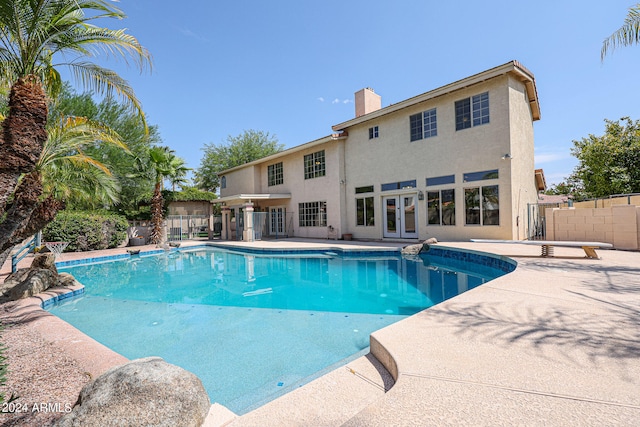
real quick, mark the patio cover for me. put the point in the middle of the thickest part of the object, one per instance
(247, 198)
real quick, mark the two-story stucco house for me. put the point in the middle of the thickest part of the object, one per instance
(453, 163)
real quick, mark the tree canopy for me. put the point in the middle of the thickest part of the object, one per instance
(71, 174)
(132, 169)
(608, 164)
(250, 145)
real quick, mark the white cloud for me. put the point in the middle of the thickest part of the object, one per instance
(336, 100)
(541, 158)
(187, 32)
(556, 178)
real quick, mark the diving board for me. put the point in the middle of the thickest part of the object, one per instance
(547, 245)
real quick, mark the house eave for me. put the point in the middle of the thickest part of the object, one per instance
(512, 67)
(305, 146)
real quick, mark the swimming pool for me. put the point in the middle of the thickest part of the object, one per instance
(253, 326)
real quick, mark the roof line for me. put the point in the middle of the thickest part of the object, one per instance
(310, 144)
(512, 66)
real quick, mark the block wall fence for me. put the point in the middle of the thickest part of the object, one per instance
(617, 224)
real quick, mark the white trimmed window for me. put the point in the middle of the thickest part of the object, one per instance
(373, 132)
(364, 212)
(482, 205)
(275, 174)
(472, 111)
(423, 125)
(441, 207)
(312, 214)
(314, 165)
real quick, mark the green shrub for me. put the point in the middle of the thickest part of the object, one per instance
(86, 231)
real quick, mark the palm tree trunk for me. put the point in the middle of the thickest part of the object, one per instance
(22, 206)
(27, 218)
(157, 203)
(23, 134)
(4, 255)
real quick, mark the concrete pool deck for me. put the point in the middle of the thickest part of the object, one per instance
(556, 342)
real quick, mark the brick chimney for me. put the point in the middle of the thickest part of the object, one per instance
(367, 101)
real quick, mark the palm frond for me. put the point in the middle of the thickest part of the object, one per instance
(68, 172)
(34, 32)
(626, 35)
(80, 183)
(103, 80)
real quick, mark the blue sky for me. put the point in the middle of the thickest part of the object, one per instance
(291, 68)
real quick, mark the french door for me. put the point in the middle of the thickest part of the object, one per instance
(400, 216)
(277, 219)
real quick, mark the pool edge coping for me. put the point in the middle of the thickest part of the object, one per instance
(376, 348)
(609, 261)
(79, 346)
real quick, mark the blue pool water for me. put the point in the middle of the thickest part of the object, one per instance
(251, 326)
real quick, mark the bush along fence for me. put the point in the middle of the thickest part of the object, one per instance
(86, 231)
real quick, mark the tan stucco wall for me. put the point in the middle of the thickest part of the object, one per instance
(393, 157)
(618, 225)
(190, 208)
(326, 188)
(242, 180)
(522, 164)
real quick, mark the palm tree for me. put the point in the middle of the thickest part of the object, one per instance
(164, 161)
(65, 173)
(626, 35)
(179, 171)
(69, 173)
(33, 35)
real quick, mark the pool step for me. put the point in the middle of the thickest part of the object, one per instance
(329, 400)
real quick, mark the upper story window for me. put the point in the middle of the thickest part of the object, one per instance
(472, 111)
(373, 132)
(423, 125)
(275, 174)
(223, 182)
(314, 165)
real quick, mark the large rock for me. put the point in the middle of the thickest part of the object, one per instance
(412, 249)
(45, 260)
(143, 392)
(66, 279)
(13, 280)
(27, 282)
(420, 247)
